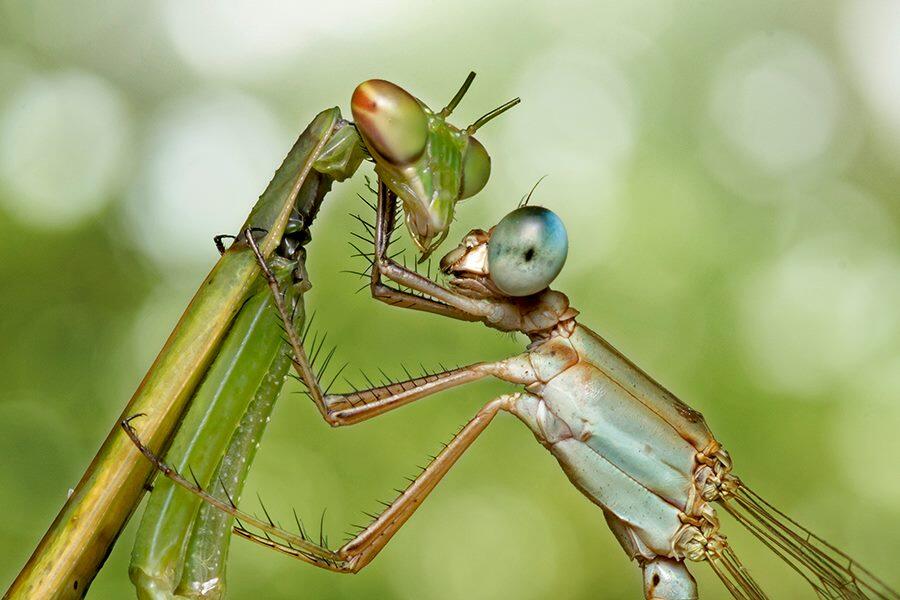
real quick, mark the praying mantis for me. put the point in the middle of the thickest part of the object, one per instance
(434, 165)
(429, 163)
(646, 459)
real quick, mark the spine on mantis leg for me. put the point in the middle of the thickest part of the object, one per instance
(231, 383)
(203, 575)
(238, 373)
(205, 561)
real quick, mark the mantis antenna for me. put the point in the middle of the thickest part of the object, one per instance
(445, 112)
(494, 113)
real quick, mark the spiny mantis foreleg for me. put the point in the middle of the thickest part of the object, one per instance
(384, 220)
(346, 409)
(301, 361)
(173, 538)
(436, 299)
(362, 549)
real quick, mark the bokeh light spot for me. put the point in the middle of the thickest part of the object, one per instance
(775, 100)
(578, 125)
(249, 38)
(207, 161)
(512, 528)
(870, 31)
(816, 316)
(65, 146)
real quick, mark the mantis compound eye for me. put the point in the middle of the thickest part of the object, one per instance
(476, 168)
(527, 250)
(390, 120)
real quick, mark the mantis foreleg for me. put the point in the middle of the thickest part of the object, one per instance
(384, 219)
(346, 409)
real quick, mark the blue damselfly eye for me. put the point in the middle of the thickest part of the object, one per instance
(476, 168)
(390, 120)
(527, 250)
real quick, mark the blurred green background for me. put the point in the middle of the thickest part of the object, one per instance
(728, 172)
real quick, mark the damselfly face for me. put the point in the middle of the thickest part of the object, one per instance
(427, 162)
(518, 257)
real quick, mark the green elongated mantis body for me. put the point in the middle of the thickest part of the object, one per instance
(630, 446)
(203, 574)
(250, 364)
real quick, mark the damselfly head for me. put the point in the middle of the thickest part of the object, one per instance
(519, 256)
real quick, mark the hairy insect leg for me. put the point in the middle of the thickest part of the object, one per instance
(241, 366)
(437, 300)
(203, 574)
(347, 409)
(357, 406)
(300, 359)
(350, 408)
(362, 549)
(425, 294)
(384, 223)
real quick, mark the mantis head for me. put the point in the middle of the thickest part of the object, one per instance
(430, 164)
(517, 258)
